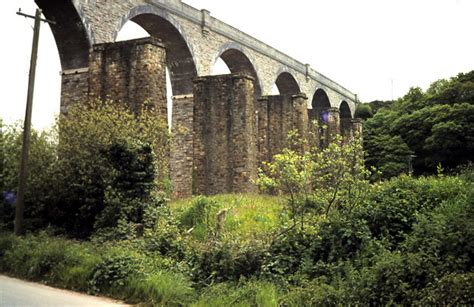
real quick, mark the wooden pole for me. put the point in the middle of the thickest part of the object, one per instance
(20, 204)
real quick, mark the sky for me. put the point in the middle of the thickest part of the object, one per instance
(377, 49)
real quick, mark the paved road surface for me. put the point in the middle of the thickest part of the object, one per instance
(15, 292)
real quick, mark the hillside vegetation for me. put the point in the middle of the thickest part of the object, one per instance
(326, 230)
(436, 126)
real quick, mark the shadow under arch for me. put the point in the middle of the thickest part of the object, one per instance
(287, 84)
(236, 59)
(320, 100)
(345, 110)
(72, 38)
(179, 55)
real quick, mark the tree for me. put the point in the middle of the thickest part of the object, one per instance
(435, 126)
(42, 160)
(318, 181)
(93, 137)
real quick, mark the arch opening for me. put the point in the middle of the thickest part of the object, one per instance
(286, 84)
(320, 105)
(180, 66)
(220, 68)
(63, 46)
(319, 117)
(237, 62)
(179, 59)
(131, 30)
(344, 110)
(346, 121)
(72, 39)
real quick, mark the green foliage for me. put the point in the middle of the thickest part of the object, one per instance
(166, 237)
(408, 242)
(436, 126)
(42, 159)
(110, 158)
(393, 207)
(451, 289)
(313, 293)
(104, 173)
(319, 181)
(225, 261)
(161, 288)
(56, 261)
(112, 273)
(364, 111)
(200, 218)
(378, 105)
(130, 195)
(245, 293)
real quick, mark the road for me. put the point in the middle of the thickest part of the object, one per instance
(15, 292)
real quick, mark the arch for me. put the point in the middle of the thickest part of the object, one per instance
(287, 84)
(237, 60)
(179, 54)
(345, 110)
(72, 38)
(320, 100)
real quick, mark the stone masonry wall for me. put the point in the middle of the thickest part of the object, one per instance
(131, 72)
(277, 116)
(300, 119)
(206, 37)
(224, 135)
(333, 125)
(346, 130)
(74, 88)
(181, 163)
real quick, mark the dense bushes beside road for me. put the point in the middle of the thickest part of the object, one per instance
(408, 243)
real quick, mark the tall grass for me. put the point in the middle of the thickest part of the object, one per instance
(245, 217)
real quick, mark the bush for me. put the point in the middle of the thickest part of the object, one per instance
(244, 293)
(451, 290)
(160, 289)
(40, 195)
(165, 237)
(226, 261)
(393, 207)
(52, 260)
(313, 293)
(200, 217)
(111, 160)
(317, 252)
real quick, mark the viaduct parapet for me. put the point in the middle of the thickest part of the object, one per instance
(233, 122)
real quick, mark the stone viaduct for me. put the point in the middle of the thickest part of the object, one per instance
(231, 123)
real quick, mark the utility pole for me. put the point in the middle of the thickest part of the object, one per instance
(20, 203)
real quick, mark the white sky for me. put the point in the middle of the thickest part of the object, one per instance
(363, 44)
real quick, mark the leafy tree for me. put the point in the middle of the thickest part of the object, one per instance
(42, 160)
(436, 127)
(317, 181)
(107, 156)
(99, 167)
(364, 111)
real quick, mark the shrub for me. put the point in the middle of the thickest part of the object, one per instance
(111, 273)
(313, 293)
(245, 293)
(40, 193)
(110, 160)
(165, 237)
(200, 217)
(317, 252)
(224, 261)
(160, 288)
(52, 260)
(453, 289)
(393, 206)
